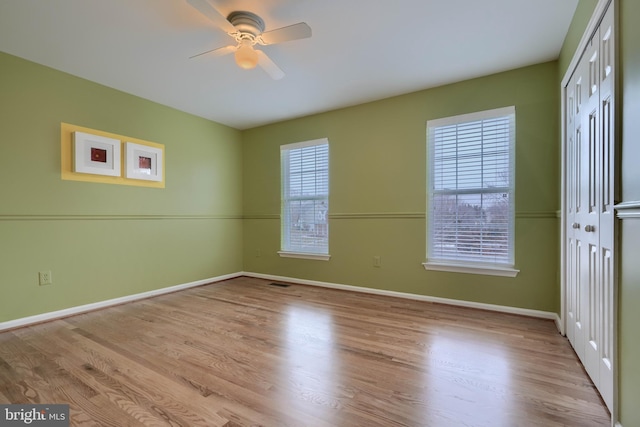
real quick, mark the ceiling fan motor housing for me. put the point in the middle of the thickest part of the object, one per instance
(247, 22)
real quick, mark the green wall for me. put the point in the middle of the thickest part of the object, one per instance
(104, 241)
(378, 191)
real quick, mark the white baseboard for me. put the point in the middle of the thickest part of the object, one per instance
(25, 321)
(618, 424)
(559, 325)
(460, 303)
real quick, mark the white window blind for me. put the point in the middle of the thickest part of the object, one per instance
(471, 188)
(305, 197)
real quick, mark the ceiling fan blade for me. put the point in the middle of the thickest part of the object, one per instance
(269, 66)
(217, 52)
(293, 32)
(207, 9)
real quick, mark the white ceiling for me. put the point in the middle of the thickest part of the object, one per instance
(360, 51)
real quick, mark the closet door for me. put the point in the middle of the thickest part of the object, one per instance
(606, 231)
(590, 185)
(581, 192)
(575, 193)
(589, 201)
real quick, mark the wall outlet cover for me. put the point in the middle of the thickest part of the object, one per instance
(45, 278)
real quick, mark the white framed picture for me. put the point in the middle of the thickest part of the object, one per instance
(143, 162)
(96, 155)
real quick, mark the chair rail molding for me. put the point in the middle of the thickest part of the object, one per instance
(629, 209)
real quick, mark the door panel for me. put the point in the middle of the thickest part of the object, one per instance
(606, 381)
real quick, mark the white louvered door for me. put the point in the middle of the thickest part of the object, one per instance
(589, 174)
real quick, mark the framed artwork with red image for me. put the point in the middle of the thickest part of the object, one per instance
(143, 162)
(97, 155)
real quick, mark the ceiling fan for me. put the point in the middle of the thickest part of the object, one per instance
(247, 29)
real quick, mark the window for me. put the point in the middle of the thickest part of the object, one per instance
(470, 220)
(305, 199)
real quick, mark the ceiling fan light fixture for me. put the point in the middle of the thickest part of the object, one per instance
(246, 56)
(247, 29)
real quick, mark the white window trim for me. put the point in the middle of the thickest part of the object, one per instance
(487, 270)
(471, 267)
(303, 255)
(303, 144)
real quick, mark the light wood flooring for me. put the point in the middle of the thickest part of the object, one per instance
(245, 353)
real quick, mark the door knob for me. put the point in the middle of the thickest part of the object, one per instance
(575, 225)
(589, 228)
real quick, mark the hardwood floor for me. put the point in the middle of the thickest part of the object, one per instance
(244, 353)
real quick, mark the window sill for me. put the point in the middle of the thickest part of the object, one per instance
(304, 255)
(471, 269)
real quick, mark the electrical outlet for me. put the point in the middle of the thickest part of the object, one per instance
(377, 261)
(258, 253)
(45, 278)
